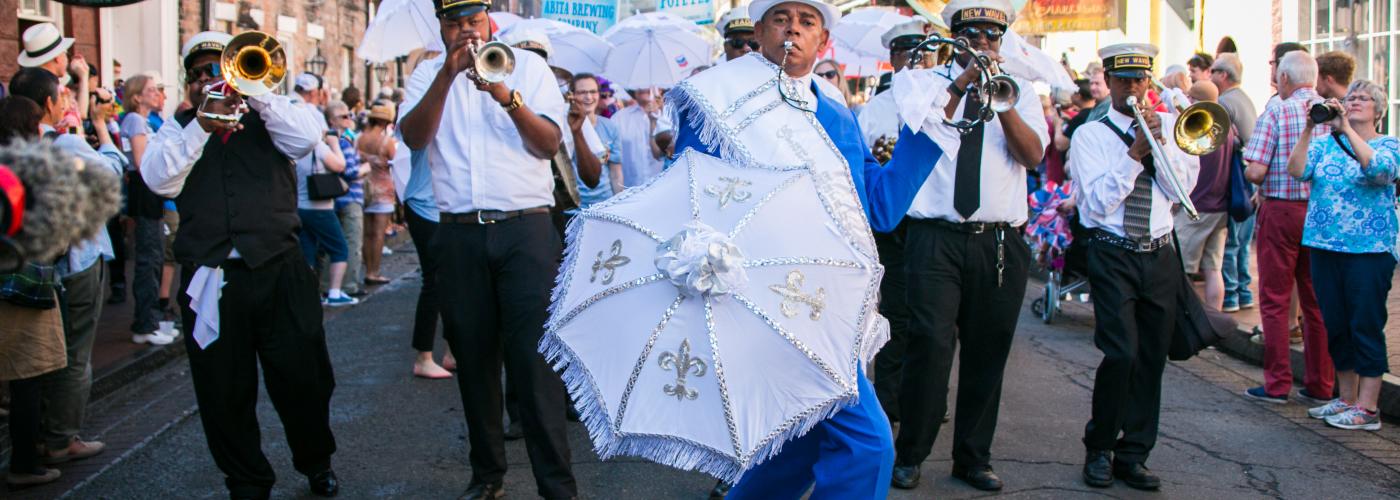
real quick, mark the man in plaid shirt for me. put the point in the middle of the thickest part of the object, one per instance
(1283, 261)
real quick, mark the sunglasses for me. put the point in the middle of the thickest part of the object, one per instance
(736, 44)
(210, 70)
(829, 75)
(342, 117)
(991, 34)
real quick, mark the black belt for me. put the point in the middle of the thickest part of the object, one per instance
(1144, 245)
(966, 227)
(483, 217)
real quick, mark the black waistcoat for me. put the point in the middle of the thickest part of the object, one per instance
(239, 194)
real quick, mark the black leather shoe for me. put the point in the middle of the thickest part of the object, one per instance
(1136, 475)
(324, 484)
(484, 491)
(1098, 468)
(720, 490)
(905, 477)
(514, 431)
(978, 476)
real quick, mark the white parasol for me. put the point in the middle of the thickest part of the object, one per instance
(860, 31)
(654, 50)
(706, 318)
(403, 26)
(575, 49)
(400, 27)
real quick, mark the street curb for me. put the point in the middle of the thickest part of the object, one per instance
(113, 378)
(1238, 345)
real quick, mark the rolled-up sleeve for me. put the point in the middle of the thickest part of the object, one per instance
(295, 129)
(170, 155)
(1265, 139)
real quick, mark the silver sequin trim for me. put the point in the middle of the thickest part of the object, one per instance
(804, 261)
(645, 280)
(642, 361)
(719, 377)
(807, 351)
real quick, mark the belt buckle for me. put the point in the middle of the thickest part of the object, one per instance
(1144, 244)
(978, 227)
(481, 221)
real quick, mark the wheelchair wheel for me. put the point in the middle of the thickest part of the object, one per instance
(1051, 301)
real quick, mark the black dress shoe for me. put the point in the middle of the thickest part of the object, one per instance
(720, 490)
(324, 484)
(1136, 475)
(905, 477)
(514, 431)
(1098, 469)
(978, 476)
(485, 491)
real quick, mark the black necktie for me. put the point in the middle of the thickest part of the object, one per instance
(967, 185)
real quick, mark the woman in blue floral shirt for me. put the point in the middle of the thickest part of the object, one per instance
(1351, 231)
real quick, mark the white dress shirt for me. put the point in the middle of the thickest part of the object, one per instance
(1104, 174)
(879, 118)
(634, 135)
(170, 155)
(478, 158)
(1003, 193)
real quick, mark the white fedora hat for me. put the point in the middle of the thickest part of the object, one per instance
(829, 12)
(42, 43)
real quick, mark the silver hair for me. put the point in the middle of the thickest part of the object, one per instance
(333, 107)
(1229, 64)
(1300, 67)
(1377, 94)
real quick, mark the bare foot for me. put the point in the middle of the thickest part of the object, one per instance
(449, 362)
(429, 370)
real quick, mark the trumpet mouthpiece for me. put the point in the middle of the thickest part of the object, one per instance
(787, 45)
(1132, 100)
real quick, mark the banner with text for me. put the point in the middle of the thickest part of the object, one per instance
(696, 11)
(1045, 16)
(593, 15)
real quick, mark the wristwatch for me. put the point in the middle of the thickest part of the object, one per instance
(515, 101)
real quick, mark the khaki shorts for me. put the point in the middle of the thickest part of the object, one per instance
(171, 219)
(1202, 241)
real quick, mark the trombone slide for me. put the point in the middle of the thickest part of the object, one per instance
(1162, 161)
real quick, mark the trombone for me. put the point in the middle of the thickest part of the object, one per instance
(998, 91)
(1162, 161)
(1201, 127)
(253, 63)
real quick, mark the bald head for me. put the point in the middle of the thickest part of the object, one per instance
(1204, 91)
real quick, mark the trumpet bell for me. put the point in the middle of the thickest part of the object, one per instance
(494, 62)
(1201, 128)
(254, 63)
(1002, 93)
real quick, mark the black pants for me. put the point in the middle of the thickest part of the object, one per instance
(269, 316)
(894, 306)
(954, 297)
(498, 280)
(25, 397)
(425, 318)
(117, 232)
(1134, 317)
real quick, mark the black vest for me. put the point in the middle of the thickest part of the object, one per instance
(240, 194)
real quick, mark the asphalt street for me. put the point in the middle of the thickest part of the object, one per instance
(401, 437)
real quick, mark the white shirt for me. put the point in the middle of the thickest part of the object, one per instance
(478, 158)
(1104, 174)
(171, 154)
(1003, 193)
(879, 118)
(634, 142)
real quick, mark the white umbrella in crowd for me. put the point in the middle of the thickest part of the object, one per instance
(860, 31)
(575, 49)
(654, 50)
(400, 27)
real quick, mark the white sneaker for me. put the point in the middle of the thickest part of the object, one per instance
(387, 252)
(1334, 407)
(153, 338)
(1355, 418)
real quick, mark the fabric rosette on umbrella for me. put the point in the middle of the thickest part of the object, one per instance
(706, 318)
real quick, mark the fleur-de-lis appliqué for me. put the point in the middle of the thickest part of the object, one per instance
(793, 296)
(729, 189)
(683, 364)
(609, 264)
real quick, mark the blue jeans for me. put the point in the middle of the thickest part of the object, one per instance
(1236, 266)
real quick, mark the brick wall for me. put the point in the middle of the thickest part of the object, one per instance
(79, 23)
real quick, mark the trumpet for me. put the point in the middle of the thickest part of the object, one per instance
(998, 91)
(1162, 161)
(494, 62)
(1201, 127)
(253, 63)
